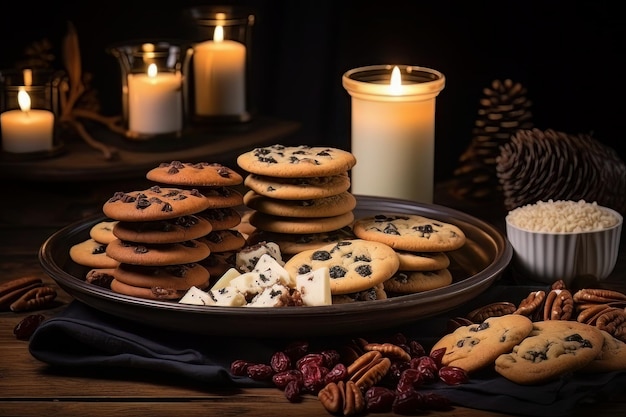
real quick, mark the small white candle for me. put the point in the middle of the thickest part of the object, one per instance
(155, 103)
(219, 76)
(393, 133)
(26, 130)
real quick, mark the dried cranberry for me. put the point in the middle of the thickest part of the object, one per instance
(280, 362)
(260, 372)
(407, 402)
(281, 379)
(25, 328)
(338, 373)
(379, 399)
(296, 350)
(314, 358)
(293, 391)
(239, 367)
(453, 375)
(437, 355)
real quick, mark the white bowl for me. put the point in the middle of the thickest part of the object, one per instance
(551, 256)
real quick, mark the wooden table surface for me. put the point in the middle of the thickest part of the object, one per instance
(29, 387)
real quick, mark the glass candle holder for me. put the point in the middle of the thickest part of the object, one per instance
(29, 108)
(393, 130)
(218, 63)
(152, 88)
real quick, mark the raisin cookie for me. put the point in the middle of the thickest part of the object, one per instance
(177, 277)
(298, 188)
(354, 265)
(612, 357)
(410, 232)
(157, 254)
(201, 174)
(296, 161)
(155, 203)
(552, 349)
(290, 244)
(476, 346)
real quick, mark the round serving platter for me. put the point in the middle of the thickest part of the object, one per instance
(474, 268)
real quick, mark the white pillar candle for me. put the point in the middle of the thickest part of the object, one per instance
(26, 130)
(219, 76)
(393, 132)
(155, 102)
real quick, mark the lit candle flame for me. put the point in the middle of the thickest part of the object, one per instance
(152, 70)
(218, 35)
(396, 81)
(23, 100)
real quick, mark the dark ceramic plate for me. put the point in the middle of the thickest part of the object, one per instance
(474, 268)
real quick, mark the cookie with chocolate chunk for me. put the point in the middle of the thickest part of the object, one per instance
(354, 265)
(477, 346)
(221, 218)
(410, 232)
(223, 240)
(552, 349)
(291, 243)
(221, 197)
(298, 225)
(333, 205)
(422, 261)
(612, 357)
(177, 277)
(178, 229)
(200, 174)
(296, 161)
(410, 282)
(103, 231)
(155, 203)
(151, 254)
(93, 254)
(303, 188)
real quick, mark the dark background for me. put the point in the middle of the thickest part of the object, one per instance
(567, 54)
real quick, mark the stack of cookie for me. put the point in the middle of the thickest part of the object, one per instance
(156, 242)
(298, 194)
(422, 247)
(216, 182)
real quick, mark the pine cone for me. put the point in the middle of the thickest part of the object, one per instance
(504, 110)
(541, 165)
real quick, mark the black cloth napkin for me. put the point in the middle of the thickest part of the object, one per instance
(81, 337)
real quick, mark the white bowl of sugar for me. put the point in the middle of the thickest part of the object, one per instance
(561, 240)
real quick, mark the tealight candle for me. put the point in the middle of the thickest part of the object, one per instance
(393, 130)
(219, 76)
(26, 129)
(155, 102)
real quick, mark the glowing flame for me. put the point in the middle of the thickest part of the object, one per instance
(218, 35)
(24, 100)
(396, 81)
(152, 70)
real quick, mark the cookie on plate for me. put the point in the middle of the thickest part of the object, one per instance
(422, 261)
(153, 293)
(298, 188)
(477, 346)
(177, 277)
(221, 218)
(410, 232)
(103, 231)
(290, 243)
(157, 254)
(223, 240)
(220, 197)
(155, 203)
(410, 282)
(299, 225)
(377, 292)
(201, 174)
(552, 349)
(178, 229)
(92, 254)
(334, 205)
(612, 357)
(354, 265)
(296, 161)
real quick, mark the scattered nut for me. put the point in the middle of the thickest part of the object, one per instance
(36, 298)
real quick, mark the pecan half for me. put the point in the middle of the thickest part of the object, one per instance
(14, 289)
(389, 350)
(34, 299)
(559, 305)
(590, 312)
(331, 398)
(613, 321)
(491, 310)
(533, 302)
(598, 295)
(342, 398)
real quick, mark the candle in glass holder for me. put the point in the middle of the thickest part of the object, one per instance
(26, 129)
(393, 130)
(155, 102)
(219, 76)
